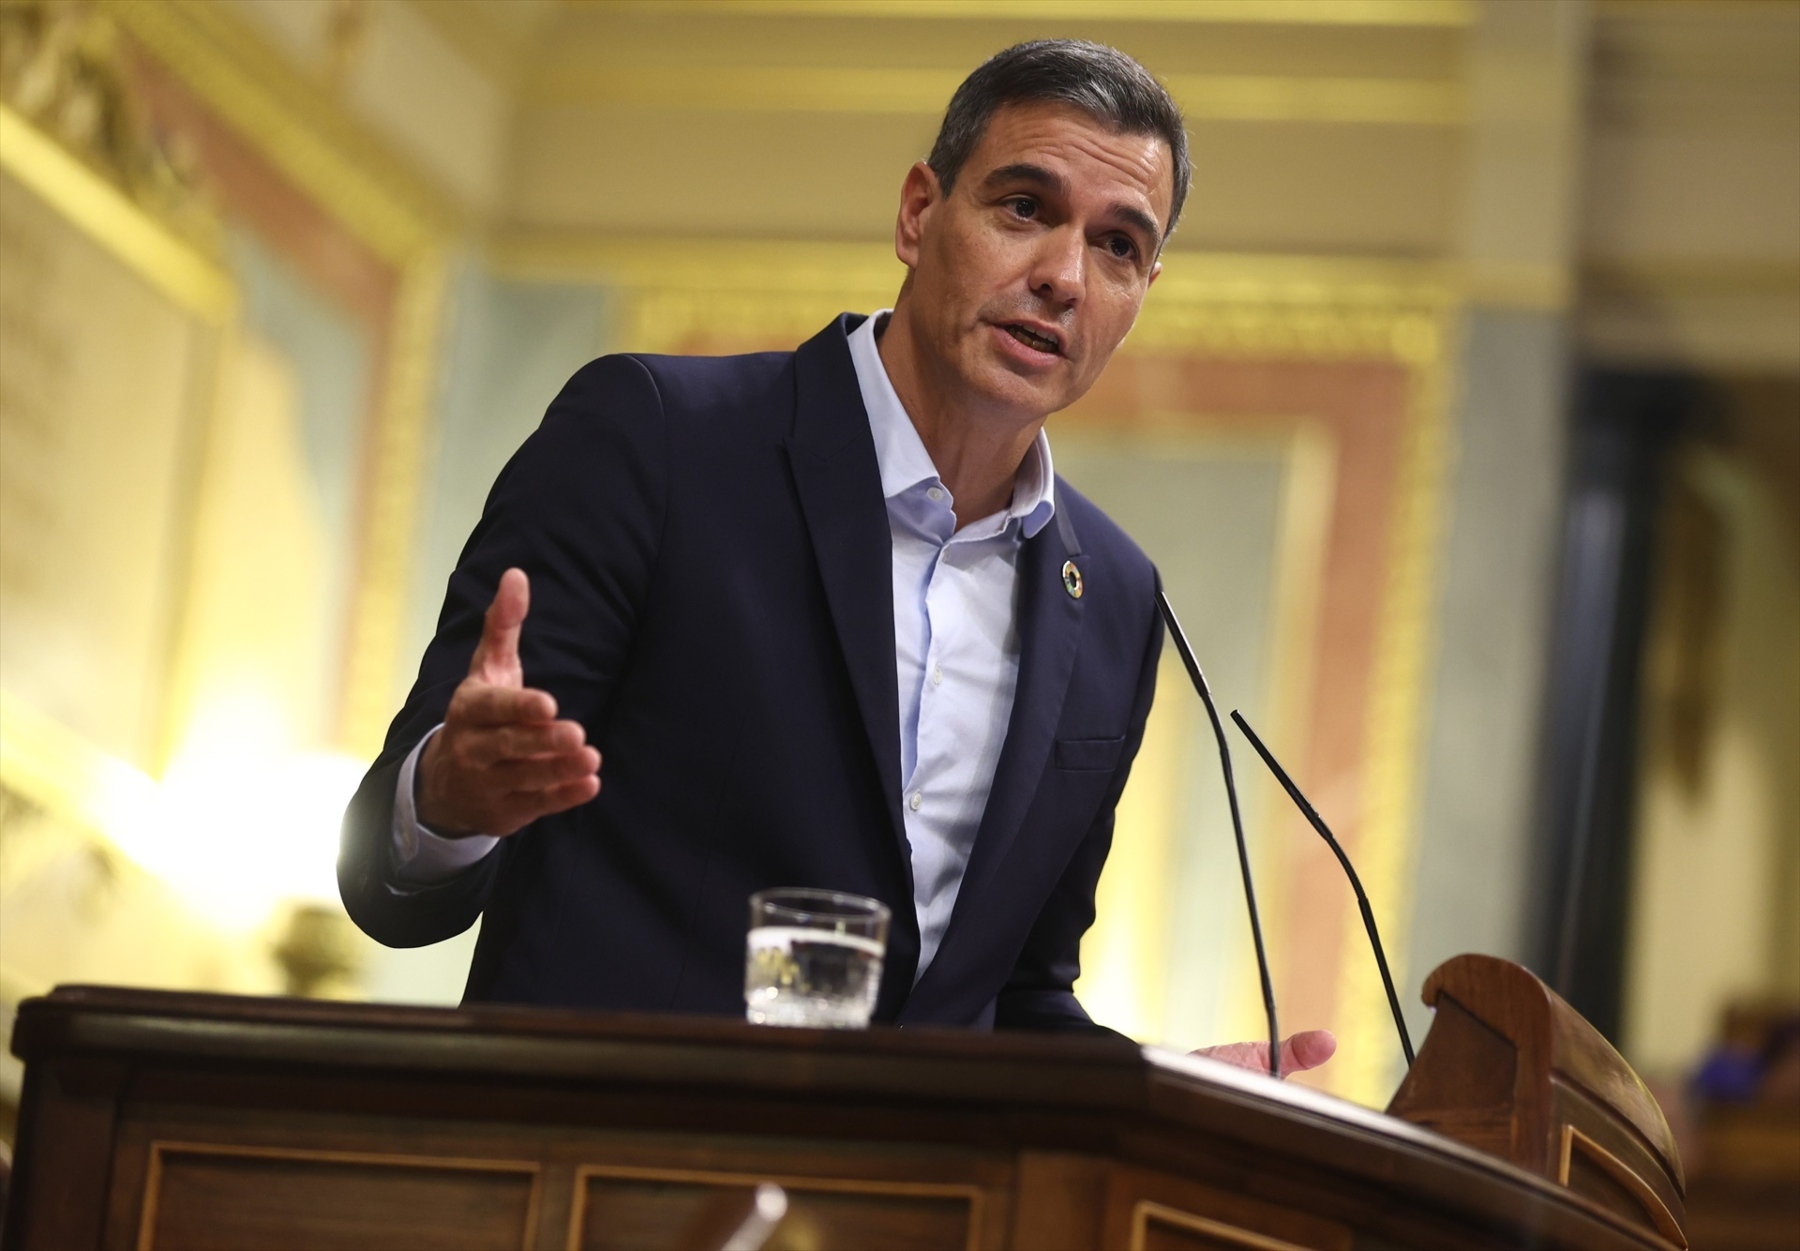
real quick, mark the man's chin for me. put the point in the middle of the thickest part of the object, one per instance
(1032, 396)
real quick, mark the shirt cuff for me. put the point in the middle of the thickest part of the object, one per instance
(423, 857)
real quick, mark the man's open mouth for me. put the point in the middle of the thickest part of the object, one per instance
(1033, 340)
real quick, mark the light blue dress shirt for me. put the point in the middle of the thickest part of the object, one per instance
(956, 637)
(956, 655)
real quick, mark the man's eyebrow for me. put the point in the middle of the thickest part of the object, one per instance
(1050, 180)
(1144, 222)
(1025, 171)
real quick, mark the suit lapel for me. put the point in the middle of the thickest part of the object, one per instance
(1049, 638)
(832, 453)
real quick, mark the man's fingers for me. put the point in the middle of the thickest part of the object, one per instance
(496, 658)
(1252, 1056)
(521, 808)
(482, 747)
(1299, 1052)
(568, 795)
(479, 704)
(537, 773)
(459, 796)
(1306, 1050)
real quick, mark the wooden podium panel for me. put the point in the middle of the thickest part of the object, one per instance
(224, 1195)
(1510, 1068)
(163, 1122)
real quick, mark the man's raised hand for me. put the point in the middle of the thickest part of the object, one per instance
(502, 759)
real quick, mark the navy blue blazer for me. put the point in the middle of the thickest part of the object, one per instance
(711, 598)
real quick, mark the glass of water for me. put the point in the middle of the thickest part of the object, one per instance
(814, 958)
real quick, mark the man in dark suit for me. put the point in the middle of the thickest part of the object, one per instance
(827, 616)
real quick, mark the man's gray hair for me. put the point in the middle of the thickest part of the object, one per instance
(1102, 82)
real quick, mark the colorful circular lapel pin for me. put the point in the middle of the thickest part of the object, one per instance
(1071, 579)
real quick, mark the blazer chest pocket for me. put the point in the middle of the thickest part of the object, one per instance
(1089, 754)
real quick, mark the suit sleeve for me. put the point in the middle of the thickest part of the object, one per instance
(1040, 992)
(579, 508)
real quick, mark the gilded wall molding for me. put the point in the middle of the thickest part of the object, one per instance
(674, 290)
(302, 132)
(398, 450)
(922, 92)
(61, 71)
(295, 124)
(101, 202)
(1405, 660)
(1425, 13)
(110, 217)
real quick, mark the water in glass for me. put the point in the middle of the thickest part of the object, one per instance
(813, 959)
(810, 977)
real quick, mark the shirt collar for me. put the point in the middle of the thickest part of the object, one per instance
(901, 454)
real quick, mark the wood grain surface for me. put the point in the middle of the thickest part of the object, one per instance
(162, 1120)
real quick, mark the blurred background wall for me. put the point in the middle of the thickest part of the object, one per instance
(1464, 426)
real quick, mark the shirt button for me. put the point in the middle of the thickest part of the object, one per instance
(937, 675)
(918, 797)
(934, 493)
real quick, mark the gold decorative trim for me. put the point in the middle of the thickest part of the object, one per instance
(1426, 13)
(711, 1177)
(1625, 1176)
(1315, 309)
(1232, 1235)
(295, 126)
(925, 91)
(1308, 494)
(190, 279)
(146, 1235)
(672, 291)
(110, 218)
(675, 289)
(1387, 845)
(397, 451)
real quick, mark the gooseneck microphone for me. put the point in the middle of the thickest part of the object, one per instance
(1237, 824)
(1362, 900)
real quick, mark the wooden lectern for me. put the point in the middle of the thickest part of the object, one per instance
(168, 1121)
(1510, 1068)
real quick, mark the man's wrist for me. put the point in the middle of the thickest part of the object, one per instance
(424, 856)
(426, 811)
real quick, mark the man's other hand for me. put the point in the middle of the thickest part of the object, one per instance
(502, 759)
(1299, 1052)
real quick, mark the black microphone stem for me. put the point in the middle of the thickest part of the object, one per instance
(1362, 900)
(1237, 823)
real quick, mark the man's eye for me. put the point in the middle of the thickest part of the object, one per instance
(1023, 206)
(1121, 247)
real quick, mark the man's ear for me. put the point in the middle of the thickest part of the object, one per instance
(1154, 271)
(919, 194)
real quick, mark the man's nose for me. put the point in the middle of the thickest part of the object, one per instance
(1059, 270)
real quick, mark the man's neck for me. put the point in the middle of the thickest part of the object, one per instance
(977, 453)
